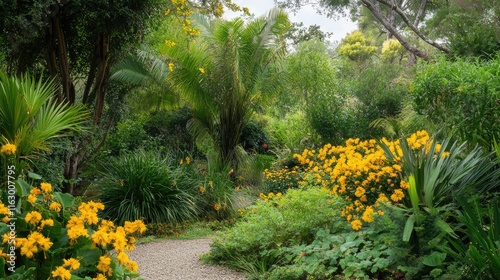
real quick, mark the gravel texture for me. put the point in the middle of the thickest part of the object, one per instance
(179, 260)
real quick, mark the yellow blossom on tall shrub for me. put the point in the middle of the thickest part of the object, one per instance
(359, 172)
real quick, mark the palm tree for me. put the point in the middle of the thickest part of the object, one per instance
(224, 72)
(147, 73)
(30, 117)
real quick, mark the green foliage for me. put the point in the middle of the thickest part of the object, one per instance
(356, 47)
(276, 222)
(462, 97)
(29, 115)
(281, 178)
(291, 133)
(362, 255)
(129, 135)
(479, 251)
(253, 137)
(298, 33)
(141, 185)
(169, 130)
(223, 74)
(252, 171)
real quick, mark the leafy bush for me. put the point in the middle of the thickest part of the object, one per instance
(276, 221)
(462, 96)
(291, 132)
(479, 252)
(142, 185)
(169, 128)
(50, 241)
(129, 136)
(280, 180)
(253, 138)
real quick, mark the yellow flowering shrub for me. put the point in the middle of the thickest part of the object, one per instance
(358, 171)
(43, 238)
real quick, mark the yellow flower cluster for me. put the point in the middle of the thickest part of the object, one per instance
(270, 196)
(9, 149)
(169, 43)
(64, 271)
(360, 173)
(282, 179)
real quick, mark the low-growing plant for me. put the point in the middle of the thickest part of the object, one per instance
(142, 185)
(274, 221)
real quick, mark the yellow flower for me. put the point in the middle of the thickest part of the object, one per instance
(54, 206)
(100, 277)
(48, 222)
(122, 258)
(132, 266)
(131, 227)
(188, 160)
(9, 149)
(217, 206)
(4, 209)
(202, 189)
(32, 199)
(46, 187)
(33, 217)
(171, 66)
(71, 264)
(35, 191)
(181, 162)
(356, 224)
(62, 273)
(367, 215)
(201, 70)
(359, 192)
(169, 43)
(397, 195)
(104, 264)
(100, 238)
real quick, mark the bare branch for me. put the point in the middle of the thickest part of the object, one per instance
(370, 5)
(403, 16)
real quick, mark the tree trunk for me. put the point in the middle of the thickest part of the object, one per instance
(102, 71)
(58, 40)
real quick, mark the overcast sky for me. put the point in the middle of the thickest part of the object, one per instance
(307, 15)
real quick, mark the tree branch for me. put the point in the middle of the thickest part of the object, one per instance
(411, 26)
(382, 19)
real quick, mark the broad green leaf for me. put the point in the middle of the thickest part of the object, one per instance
(88, 255)
(65, 199)
(22, 188)
(34, 176)
(444, 226)
(413, 192)
(434, 259)
(410, 223)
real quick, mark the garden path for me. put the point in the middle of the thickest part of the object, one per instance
(179, 260)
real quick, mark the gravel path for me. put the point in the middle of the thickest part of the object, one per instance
(179, 260)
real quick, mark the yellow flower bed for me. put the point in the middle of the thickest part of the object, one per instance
(55, 244)
(359, 172)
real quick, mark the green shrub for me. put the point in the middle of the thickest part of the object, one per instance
(273, 222)
(253, 137)
(141, 185)
(463, 97)
(169, 130)
(129, 135)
